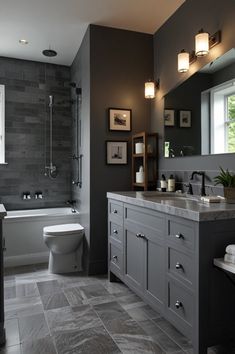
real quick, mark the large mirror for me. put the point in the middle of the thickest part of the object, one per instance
(199, 115)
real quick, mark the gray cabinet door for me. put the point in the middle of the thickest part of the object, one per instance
(154, 284)
(133, 258)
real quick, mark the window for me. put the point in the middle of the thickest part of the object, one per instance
(222, 123)
(230, 123)
(2, 124)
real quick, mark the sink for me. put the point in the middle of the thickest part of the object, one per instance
(157, 196)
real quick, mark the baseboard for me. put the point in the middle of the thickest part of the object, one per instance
(97, 267)
(26, 259)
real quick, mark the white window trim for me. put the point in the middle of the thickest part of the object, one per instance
(2, 124)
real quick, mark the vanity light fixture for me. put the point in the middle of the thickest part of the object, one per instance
(150, 88)
(201, 43)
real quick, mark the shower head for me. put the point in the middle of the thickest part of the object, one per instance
(49, 53)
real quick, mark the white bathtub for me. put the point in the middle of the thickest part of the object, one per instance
(23, 233)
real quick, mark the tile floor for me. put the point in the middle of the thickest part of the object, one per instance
(68, 314)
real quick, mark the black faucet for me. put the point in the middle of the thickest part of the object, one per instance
(200, 173)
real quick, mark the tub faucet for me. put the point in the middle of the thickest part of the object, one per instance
(72, 204)
(200, 173)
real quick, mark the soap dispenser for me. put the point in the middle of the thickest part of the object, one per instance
(171, 184)
(163, 184)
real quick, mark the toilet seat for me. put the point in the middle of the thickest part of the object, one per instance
(63, 230)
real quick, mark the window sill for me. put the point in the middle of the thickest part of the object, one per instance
(3, 163)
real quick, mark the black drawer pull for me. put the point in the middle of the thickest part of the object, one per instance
(115, 232)
(179, 236)
(178, 304)
(115, 211)
(178, 266)
(115, 258)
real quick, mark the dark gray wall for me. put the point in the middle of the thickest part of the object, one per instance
(177, 33)
(111, 67)
(80, 74)
(121, 61)
(28, 85)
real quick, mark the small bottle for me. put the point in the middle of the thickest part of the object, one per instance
(163, 184)
(171, 184)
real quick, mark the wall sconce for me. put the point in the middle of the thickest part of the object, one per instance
(201, 43)
(183, 61)
(150, 88)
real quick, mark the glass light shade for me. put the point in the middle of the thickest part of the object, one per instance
(202, 44)
(183, 62)
(150, 89)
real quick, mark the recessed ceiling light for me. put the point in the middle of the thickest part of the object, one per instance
(23, 41)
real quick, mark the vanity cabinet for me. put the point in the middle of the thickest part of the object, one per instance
(168, 261)
(144, 259)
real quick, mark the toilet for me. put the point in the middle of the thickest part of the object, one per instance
(65, 245)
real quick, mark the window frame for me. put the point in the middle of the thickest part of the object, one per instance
(2, 124)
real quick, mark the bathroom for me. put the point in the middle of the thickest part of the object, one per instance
(107, 67)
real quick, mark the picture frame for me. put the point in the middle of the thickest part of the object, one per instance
(169, 117)
(120, 119)
(185, 118)
(116, 152)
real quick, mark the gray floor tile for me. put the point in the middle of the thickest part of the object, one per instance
(38, 346)
(142, 312)
(54, 301)
(93, 290)
(92, 341)
(111, 310)
(12, 332)
(165, 342)
(130, 301)
(67, 319)
(99, 300)
(173, 333)
(48, 287)
(15, 349)
(9, 292)
(73, 296)
(22, 307)
(34, 326)
(27, 290)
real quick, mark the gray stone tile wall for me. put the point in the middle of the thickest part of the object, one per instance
(27, 87)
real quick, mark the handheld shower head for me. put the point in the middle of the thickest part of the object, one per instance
(50, 101)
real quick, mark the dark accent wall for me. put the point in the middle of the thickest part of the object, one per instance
(27, 87)
(119, 63)
(177, 33)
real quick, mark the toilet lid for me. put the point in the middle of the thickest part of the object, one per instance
(65, 229)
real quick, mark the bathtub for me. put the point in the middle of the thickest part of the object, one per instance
(23, 233)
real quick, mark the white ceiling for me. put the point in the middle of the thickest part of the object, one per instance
(63, 23)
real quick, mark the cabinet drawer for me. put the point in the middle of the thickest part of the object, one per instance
(181, 233)
(180, 265)
(146, 219)
(116, 211)
(115, 259)
(116, 232)
(180, 305)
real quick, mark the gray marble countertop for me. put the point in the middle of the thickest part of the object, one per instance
(2, 211)
(188, 207)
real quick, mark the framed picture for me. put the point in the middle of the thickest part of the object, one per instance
(120, 119)
(116, 152)
(185, 119)
(169, 117)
